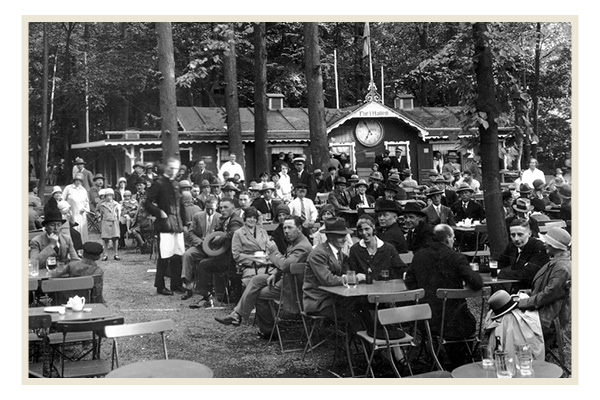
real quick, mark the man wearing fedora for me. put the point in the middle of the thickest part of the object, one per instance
(439, 266)
(419, 233)
(522, 258)
(564, 192)
(384, 161)
(339, 198)
(326, 265)
(319, 181)
(51, 242)
(230, 191)
(136, 175)
(376, 185)
(452, 164)
(436, 212)
(388, 229)
(163, 201)
(522, 210)
(266, 204)
(551, 285)
(444, 182)
(466, 207)
(301, 175)
(88, 178)
(472, 167)
(361, 199)
(401, 193)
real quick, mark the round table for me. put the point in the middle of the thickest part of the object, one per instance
(162, 369)
(541, 369)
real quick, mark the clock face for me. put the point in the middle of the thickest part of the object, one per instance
(369, 132)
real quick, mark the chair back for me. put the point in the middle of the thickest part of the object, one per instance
(142, 328)
(35, 233)
(399, 297)
(39, 321)
(58, 285)
(399, 315)
(297, 272)
(446, 294)
(33, 285)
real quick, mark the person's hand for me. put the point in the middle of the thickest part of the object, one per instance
(163, 214)
(271, 280)
(272, 246)
(361, 277)
(53, 239)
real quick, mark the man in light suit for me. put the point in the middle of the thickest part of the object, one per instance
(264, 288)
(203, 223)
(436, 212)
(325, 268)
(51, 242)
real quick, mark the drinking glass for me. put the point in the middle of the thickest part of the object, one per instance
(385, 274)
(494, 270)
(524, 359)
(487, 357)
(474, 266)
(349, 279)
(34, 267)
(505, 367)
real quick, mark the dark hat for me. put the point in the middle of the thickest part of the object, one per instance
(79, 160)
(394, 178)
(267, 186)
(340, 180)
(185, 184)
(53, 215)
(463, 187)
(386, 152)
(282, 208)
(32, 185)
(141, 181)
(452, 156)
(376, 175)
(217, 183)
(387, 205)
(98, 176)
(391, 186)
(434, 190)
(336, 226)
(438, 180)
(524, 188)
(413, 208)
(501, 303)
(565, 191)
(538, 184)
(93, 248)
(522, 205)
(230, 186)
(302, 186)
(204, 183)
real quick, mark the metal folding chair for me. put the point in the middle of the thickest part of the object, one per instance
(470, 342)
(284, 313)
(39, 325)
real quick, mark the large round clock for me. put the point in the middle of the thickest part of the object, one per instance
(369, 132)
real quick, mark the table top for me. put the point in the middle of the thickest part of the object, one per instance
(162, 369)
(377, 287)
(466, 228)
(41, 276)
(348, 211)
(98, 311)
(487, 279)
(541, 369)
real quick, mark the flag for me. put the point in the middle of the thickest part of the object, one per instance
(366, 41)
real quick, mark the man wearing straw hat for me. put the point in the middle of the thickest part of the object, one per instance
(361, 198)
(551, 287)
(266, 204)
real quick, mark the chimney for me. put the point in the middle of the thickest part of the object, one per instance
(275, 101)
(404, 102)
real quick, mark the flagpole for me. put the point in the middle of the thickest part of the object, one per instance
(382, 87)
(337, 93)
(370, 56)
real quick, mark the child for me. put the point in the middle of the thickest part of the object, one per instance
(109, 211)
(129, 208)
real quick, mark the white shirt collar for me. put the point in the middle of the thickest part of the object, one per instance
(380, 242)
(335, 251)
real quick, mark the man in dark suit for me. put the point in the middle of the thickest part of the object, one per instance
(376, 186)
(330, 180)
(202, 174)
(420, 233)
(265, 288)
(136, 175)
(339, 198)
(301, 175)
(388, 229)
(384, 162)
(522, 258)
(449, 196)
(436, 212)
(51, 242)
(229, 223)
(439, 266)
(361, 198)
(399, 161)
(265, 204)
(203, 223)
(163, 201)
(465, 207)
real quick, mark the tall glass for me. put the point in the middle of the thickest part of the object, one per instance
(505, 367)
(385, 274)
(524, 359)
(349, 279)
(34, 267)
(494, 270)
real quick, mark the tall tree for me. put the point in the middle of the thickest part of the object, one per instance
(234, 125)
(45, 131)
(168, 103)
(319, 147)
(262, 159)
(486, 107)
(536, 82)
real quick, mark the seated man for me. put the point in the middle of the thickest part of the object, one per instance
(228, 223)
(85, 267)
(522, 258)
(550, 293)
(439, 266)
(339, 198)
(202, 224)
(267, 287)
(325, 267)
(436, 212)
(51, 242)
(388, 230)
(420, 233)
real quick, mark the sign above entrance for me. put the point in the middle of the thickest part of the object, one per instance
(374, 110)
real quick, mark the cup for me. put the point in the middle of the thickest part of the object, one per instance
(34, 267)
(385, 274)
(505, 366)
(494, 270)
(524, 359)
(487, 357)
(349, 279)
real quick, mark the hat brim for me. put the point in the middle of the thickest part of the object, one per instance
(465, 190)
(62, 221)
(530, 208)
(212, 251)
(553, 242)
(434, 193)
(344, 232)
(388, 209)
(509, 309)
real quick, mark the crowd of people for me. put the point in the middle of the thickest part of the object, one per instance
(207, 224)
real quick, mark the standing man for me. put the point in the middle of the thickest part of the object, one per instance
(399, 161)
(164, 202)
(533, 173)
(232, 167)
(94, 193)
(384, 162)
(303, 176)
(202, 174)
(136, 175)
(452, 164)
(88, 177)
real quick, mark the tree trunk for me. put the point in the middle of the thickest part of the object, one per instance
(168, 102)
(262, 159)
(45, 134)
(319, 146)
(124, 108)
(536, 82)
(422, 30)
(234, 125)
(486, 102)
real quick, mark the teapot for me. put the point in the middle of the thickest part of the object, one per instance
(76, 303)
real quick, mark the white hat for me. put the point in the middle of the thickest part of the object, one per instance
(56, 189)
(108, 191)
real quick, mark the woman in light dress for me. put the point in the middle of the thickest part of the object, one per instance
(110, 212)
(77, 197)
(285, 184)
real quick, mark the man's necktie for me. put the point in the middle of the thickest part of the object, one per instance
(409, 237)
(439, 212)
(209, 224)
(302, 209)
